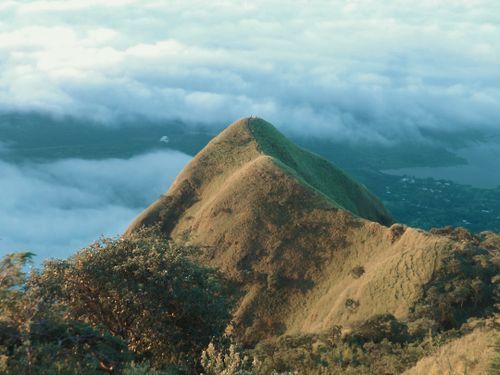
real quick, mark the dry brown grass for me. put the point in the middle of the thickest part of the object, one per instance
(471, 354)
(290, 247)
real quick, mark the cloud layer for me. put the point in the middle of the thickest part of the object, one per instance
(360, 68)
(56, 208)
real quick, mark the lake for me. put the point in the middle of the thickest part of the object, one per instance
(482, 170)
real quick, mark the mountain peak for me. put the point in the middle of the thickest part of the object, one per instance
(243, 142)
(310, 169)
(301, 240)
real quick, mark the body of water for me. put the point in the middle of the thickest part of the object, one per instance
(482, 170)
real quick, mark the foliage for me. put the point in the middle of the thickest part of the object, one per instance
(324, 354)
(144, 290)
(332, 354)
(378, 328)
(357, 272)
(145, 368)
(336, 352)
(464, 287)
(35, 339)
(226, 361)
(12, 289)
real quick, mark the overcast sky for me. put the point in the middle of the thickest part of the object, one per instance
(360, 68)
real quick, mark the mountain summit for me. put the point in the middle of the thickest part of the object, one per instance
(308, 248)
(252, 146)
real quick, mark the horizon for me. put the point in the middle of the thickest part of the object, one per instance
(378, 78)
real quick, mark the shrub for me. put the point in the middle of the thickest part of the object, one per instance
(351, 304)
(144, 290)
(464, 287)
(230, 361)
(378, 328)
(357, 272)
(36, 339)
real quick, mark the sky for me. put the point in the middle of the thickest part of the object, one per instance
(357, 70)
(360, 68)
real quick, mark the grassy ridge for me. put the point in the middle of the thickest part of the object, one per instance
(318, 173)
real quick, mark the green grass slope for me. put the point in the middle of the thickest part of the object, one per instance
(319, 173)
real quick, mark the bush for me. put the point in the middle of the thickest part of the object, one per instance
(378, 328)
(36, 339)
(229, 361)
(144, 290)
(323, 354)
(357, 272)
(464, 287)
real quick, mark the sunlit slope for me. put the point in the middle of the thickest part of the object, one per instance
(472, 354)
(291, 230)
(244, 141)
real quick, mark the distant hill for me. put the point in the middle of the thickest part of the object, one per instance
(308, 247)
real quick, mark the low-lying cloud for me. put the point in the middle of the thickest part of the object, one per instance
(360, 68)
(53, 209)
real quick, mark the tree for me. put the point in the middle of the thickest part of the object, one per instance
(144, 290)
(34, 337)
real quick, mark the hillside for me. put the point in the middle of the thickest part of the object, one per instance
(245, 141)
(470, 354)
(265, 209)
(309, 248)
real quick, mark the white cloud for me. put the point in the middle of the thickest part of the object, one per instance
(345, 68)
(53, 209)
(68, 5)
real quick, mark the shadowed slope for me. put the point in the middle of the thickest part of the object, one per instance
(319, 173)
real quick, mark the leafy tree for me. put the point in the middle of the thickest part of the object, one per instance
(144, 290)
(466, 286)
(34, 337)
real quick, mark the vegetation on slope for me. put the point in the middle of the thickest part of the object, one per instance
(118, 300)
(466, 285)
(468, 350)
(140, 305)
(37, 338)
(290, 250)
(453, 327)
(319, 173)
